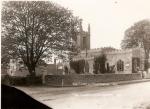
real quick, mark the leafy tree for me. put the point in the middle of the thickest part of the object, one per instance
(138, 35)
(34, 30)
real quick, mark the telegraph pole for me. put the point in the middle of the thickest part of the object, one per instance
(86, 55)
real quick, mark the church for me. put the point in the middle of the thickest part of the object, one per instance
(122, 61)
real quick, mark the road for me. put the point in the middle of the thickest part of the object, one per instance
(130, 96)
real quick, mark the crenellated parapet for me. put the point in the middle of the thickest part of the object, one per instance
(99, 51)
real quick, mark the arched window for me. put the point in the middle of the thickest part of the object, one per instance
(135, 65)
(120, 65)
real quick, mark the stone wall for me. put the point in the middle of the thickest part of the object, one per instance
(73, 80)
(126, 57)
(139, 53)
(23, 72)
(113, 57)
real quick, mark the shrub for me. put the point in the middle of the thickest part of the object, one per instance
(99, 64)
(37, 80)
(13, 80)
(78, 66)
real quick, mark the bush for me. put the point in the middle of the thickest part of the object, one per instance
(78, 66)
(34, 80)
(99, 64)
(13, 80)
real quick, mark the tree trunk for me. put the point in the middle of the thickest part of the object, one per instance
(31, 80)
(32, 71)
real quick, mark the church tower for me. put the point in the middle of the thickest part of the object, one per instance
(83, 39)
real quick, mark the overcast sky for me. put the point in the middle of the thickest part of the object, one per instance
(108, 18)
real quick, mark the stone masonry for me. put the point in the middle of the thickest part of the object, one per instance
(125, 56)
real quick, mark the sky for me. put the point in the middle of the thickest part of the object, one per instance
(108, 18)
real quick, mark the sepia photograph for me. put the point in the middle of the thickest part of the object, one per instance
(75, 54)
